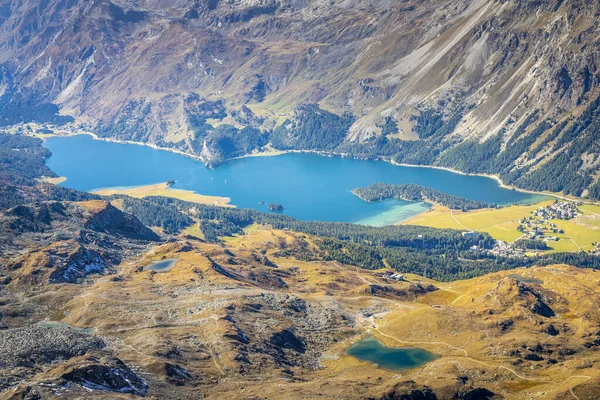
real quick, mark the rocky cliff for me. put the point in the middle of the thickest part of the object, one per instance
(67, 242)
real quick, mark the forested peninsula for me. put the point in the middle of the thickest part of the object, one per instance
(412, 192)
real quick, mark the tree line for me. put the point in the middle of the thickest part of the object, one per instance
(22, 159)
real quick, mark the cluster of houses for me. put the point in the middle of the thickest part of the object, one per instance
(558, 210)
(539, 225)
(509, 250)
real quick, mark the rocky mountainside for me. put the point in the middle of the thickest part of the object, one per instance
(57, 242)
(244, 320)
(484, 86)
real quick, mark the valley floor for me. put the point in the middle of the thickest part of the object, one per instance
(580, 233)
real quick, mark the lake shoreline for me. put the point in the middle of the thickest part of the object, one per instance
(320, 188)
(496, 178)
(165, 190)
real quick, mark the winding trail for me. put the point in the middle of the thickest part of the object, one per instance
(512, 371)
(587, 378)
(213, 352)
(569, 237)
(405, 342)
(337, 265)
(466, 355)
(363, 278)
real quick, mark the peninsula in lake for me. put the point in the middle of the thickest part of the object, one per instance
(412, 192)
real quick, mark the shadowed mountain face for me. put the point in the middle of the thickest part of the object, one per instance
(483, 86)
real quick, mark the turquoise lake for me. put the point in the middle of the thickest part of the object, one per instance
(309, 186)
(523, 279)
(391, 358)
(161, 266)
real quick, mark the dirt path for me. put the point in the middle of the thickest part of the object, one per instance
(337, 265)
(363, 278)
(466, 355)
(569, 237)
(512, 371)
(213, 351)
(519, 238)
(587, 378)
(411, 343)
(455, 220)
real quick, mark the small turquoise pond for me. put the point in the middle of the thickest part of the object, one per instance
(161, 266)
(523, 279)
(390, 358)
(57, 325)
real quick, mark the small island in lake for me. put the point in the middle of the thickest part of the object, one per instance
(275, 207)
(412, 192)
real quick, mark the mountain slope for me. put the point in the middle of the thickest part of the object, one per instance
(225, 324)
(254, 305)
(483, 86)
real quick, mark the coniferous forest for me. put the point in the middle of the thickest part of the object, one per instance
(412, 192)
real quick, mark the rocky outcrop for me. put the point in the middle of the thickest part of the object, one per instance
(105, 374)
(264, 277)
(66, 357)
(114, 222)
(410, 391)
(176, 374)
(67, 242)
(34, 218)
(34, 346)
(297, 342)
(534, 300)
(74, 266)
(286, 339)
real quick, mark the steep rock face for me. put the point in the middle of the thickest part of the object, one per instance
(67, 242)
(530, 299)
(32, 219)
(410, 391)
(66, 357)
(478, 85)
(77, 265)
(113, 222)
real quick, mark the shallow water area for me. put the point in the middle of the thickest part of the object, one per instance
(58, 324)
(523, 279)
(162, 265)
